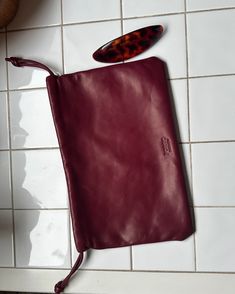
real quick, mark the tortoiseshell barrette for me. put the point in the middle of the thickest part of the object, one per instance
(129, 45)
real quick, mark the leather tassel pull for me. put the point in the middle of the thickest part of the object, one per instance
(60, 286)
(19, 62)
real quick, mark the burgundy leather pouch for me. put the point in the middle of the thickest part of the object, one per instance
(120, 154)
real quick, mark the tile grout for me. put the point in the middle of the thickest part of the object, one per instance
(56, 148)
(122, 32)
(124, 18)
(66, 208)
(10, 155)
(122, 270)
(63, 71)
(189, 126)
(170, 79)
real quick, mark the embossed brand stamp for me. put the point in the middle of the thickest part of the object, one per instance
(166, 146)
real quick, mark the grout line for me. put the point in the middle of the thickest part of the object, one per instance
(27, 89)
(124, 18)
(4, 150)
(122, 32)
(214, 206)
(69, 239)
(121, 12)
(131, 258)
(10, 155)
(63, 71)
(189, 124)
(62, 37)
(64, 25)
(121, 270)
(159, 271)
(212, 9)
(208, 142)
(67, 209)
(170, 79)
(211, 76)
(35, 149)
(37, 209)
(58, 148)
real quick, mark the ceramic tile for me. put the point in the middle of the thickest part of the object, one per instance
(185, 153)
(31, 120)
(208, 4)
(185, 149)
(213, 173)
(212, 108)
(36, 13)
(179, 93)
(80, 42)
(3, 74)
(5, 191)
(215, 241)
(6, 239)
(171, 47)
(117, 258)
(151, 7)
(211, 47)
(90, 10)
(41, 238)
(38, 179)
(174, 255)
(4, 144)
(47, 40)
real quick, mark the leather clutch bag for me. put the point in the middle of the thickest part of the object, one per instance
(120, 154)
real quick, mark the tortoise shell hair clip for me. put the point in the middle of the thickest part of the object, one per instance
(129, 45)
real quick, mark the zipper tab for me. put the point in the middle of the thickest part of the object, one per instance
(20, 62)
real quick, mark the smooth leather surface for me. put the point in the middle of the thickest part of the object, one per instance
(120, 154)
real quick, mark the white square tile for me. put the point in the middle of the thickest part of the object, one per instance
(213, 173)
(31, 120)
(171, 47)
(4, 143)
(80, 42)
(186, 162)
(215, 240)
(208, 4)
(179, 92)
(43, 45)
(38, 179)
(211, 45)
(6, 239)
(90, 10)
(166, 256)
(150, 7)
(5, 191)
(41, 238)
(114, 258)
(36, 13)
(212, 108)
(3, 73)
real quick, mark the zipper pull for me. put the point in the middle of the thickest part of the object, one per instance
(20, 62)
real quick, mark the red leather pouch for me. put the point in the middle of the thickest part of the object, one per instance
(120, 154)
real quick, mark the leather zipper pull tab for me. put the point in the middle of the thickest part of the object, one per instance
(20, 62)
(61, 285)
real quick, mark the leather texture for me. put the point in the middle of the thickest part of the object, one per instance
(120, 154)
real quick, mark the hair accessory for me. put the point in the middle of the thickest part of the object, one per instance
(129, 45)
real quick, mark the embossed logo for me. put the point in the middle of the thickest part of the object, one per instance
(166, 146)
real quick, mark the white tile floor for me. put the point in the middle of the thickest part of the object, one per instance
(198, 47)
